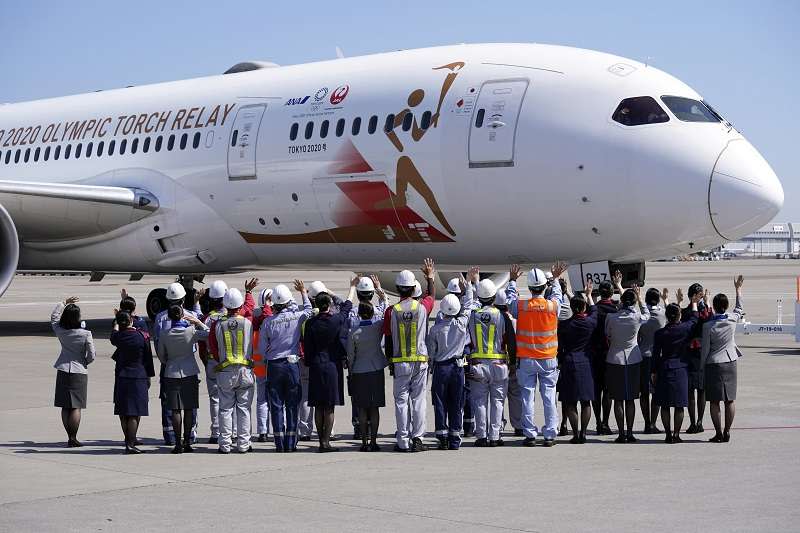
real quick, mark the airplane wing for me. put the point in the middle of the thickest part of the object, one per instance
(61, 211)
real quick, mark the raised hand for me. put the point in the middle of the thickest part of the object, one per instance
(588, 286)
(299, 286)
(679, 296)
(72, 300)
(250, 284)
(376, 282)
(705, 297)
(515, 272)
(355, 280)
(637, 290)
(462, 282)
(559, 268)
(616, 279)
(428, 268)
(738, 281)
(474, 274)
(664, 294)
(123, 294)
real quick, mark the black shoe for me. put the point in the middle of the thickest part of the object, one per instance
(691, 429)
(481, 443)
(700, 427)
(223, 452)
(498, 443)
(621, 439)
(669, 439)
(74, 443)
(400, 450)
(356, 433)
(133, 450)
(177, 449)
(187, 448)
(305, 438)
(549, 443)
(562, 431)
(676, 438)
(530, 442)
(417, 445)
(469, 433)
(606, 429)
(137, 442)
(655, 431)
(519, 433)
(213, 440)
(726, 437)
(575, 440)
(715, 438)
(364, 448)
(453, 446)
(442, 444)
(262, 437)
(374, 447)
(630, 438)
(582, 438)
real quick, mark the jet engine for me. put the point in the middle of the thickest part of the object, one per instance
(9, 250)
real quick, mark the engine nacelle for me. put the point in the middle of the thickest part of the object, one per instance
(9, 250)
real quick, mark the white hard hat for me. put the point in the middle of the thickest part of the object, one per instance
(450, 305)
(315, 288)
(233, 299)
(281, 294)
(536, 278)
(217, 289)
(453, 286)
(405, 279)
(264, 296)
(365, 285)
(500, 298)
(175, 291)
(486, 289)
(417, 290)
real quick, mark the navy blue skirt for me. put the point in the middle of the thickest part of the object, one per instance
(575, 383)
(672, 386)
(325, 385)
(131, 396)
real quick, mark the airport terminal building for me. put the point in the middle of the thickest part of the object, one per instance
(776, 239)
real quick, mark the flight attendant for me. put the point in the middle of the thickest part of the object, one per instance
(605, 306)
(656, 302)
(697, 395)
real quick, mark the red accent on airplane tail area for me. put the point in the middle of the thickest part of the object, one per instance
(349, 160)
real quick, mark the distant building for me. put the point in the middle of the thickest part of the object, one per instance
(774, 239)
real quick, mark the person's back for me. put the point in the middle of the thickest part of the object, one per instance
(133, 356)
(176, 351)
(409, 329)
(280, 333)
(648, 330)
(364, 352)
(622, 330)
(575, 335)
(323, 335)
(77, 344)
(447, 337)
(718, 336)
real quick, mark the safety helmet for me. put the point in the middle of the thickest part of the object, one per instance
(450, 305)
(175, 291)
(264, 296)
(365, 285)
(453, 286)
(500, 298)
(281, 295)
(405, 279)
(217, 289)
(233, 299)
(417, 290)
(486, 289)
(536, 278)
(315, 288)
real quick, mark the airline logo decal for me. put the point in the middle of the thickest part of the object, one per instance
(297, 101)
(339, 94)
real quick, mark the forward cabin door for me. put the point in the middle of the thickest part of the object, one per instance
(242, 144)
(494, 123)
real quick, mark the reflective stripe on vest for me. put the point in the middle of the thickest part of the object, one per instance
(233, 356)
(537, 329)
(486, 351)
(408, 335)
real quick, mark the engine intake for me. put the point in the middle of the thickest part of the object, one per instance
(9, 250)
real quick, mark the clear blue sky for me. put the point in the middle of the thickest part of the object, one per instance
(743, 57)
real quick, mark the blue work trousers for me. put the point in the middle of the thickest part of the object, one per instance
(447, 392)
(283, 385)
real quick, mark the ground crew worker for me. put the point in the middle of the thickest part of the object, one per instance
(231, 343)
(263, 310)
(513, 394)
(537, 346)
(176, 295)
(280, 343)
(488, 370)
(409, 324)
(446, 342)
(216, 292)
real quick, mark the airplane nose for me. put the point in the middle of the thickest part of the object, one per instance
(744, 194)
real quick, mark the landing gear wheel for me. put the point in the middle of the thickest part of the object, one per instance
(156, 302)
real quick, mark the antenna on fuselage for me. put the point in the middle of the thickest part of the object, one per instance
(339, 53)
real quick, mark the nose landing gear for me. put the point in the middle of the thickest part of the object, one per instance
(157, 299)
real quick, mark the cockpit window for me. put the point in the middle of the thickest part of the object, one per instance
(639, 110)
(689, 110)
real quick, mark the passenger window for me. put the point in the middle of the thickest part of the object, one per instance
(195, 141)
(689, 110)
(8, 156)
(309, 130)
(100, 147)
(479, 118)
(27, 154)
(171, 143)
(638, 111)
(425, 121)
(323, 129)
(57, 152)
(389, 126)
(36, 155)
(356, 127)
(111, 145)
(146, 145)
(78, 150)
(340, 127)
(134, 145)
(67, 151)
(293, 131)
(16, 155)
(89, 148)
(408, 120)
(184, 138)
(46, 154)
(123, 145)
(159, 142)
(373, 124)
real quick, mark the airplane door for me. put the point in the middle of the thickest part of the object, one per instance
(494, 123)
(242, 144)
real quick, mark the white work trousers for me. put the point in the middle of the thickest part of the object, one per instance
(488, 383)
(236, 384)
(545, 373)
(410, 385)
(213, 398)
(262, 406)
(305, 424)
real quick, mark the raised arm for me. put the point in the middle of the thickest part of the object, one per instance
(512, 296)
(737, 284)
(429, 270)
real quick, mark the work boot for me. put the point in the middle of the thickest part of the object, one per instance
(519, 433)
(213, 440)
(401, 450)
(481, 443)
(305, 438)
(496, 443)
(699, 427)
(177, 449)
(417, 445)
(187, 448)
(549, 443)
(442, 444)
(262, 437)
(529, 442)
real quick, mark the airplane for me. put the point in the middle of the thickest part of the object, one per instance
(483, 154)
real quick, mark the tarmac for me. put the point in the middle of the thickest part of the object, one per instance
(750, 484)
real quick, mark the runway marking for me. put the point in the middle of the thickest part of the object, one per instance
(43, 303)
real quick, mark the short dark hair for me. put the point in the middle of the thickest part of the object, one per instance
(175, 312)
(577, 304)
(652, 296)
(366, 310)
(70, 317)
(628, 298)
(486, 301)
(127, 304)
(123, 319)
(720, 303)
(605, 289)
(673, 313)
(537, 290)
(405, 292)
(694, 288)
(323, 301)
(215, 303)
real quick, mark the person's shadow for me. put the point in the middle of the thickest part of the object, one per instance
(90, 447)
(100, 328)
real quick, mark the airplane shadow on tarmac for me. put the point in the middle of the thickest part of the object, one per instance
(100, 328)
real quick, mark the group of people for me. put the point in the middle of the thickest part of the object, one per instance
(485, 346)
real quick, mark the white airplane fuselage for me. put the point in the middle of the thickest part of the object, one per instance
(547, 175)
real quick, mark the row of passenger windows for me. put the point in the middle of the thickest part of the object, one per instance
(100, 148)
(641, 110)
(355, 125)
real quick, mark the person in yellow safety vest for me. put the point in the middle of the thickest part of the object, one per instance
(488, 370)
(263, 310)
(537, 347)
(231, 342)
